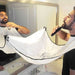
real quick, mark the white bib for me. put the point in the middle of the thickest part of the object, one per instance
(38, 48)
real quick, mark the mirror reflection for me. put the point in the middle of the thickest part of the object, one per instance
(34, 16)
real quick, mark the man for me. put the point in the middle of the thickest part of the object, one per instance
(4, 23)
(69, 57)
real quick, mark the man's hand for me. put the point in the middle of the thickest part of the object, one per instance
(54, 29)
(11, 24)
(21, 29)
(63, 35)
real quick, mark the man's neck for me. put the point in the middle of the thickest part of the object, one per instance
(72, 32)
(2, 25)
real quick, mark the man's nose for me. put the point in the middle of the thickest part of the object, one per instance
(5, 16)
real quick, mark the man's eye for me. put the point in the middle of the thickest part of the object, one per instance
(2, 15)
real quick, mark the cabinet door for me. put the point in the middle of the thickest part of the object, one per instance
(23, 14)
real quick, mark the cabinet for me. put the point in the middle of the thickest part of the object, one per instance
(23, 14)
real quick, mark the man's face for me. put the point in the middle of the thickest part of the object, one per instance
(3, 17)
(69, 20)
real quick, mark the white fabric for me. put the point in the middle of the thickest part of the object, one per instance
(4, 72)
(8, 31)
(2, 41)
(4, 45)
(38, 48)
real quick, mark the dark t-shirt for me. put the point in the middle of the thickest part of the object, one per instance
(68, 62)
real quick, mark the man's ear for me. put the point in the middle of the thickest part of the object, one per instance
(74, 23)
(0, 20)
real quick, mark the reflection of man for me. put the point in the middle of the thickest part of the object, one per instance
(4, 23)
(69, 57)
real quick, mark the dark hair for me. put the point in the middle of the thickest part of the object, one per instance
(74, 12)
(2, 8)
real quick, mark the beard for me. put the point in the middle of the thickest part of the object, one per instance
(68, 27)
(4, 21)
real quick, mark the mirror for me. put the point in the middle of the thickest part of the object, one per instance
(34, 15)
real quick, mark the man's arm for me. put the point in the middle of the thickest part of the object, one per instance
(63, 35)
(20, 29)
